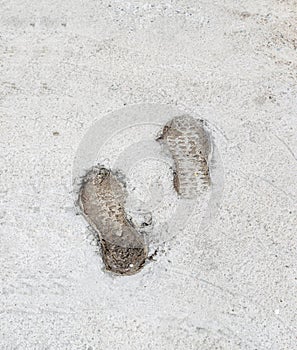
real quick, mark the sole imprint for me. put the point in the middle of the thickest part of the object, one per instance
(190, 146)
(101, 198)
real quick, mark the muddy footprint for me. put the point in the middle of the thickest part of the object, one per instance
(102, 195)
(101, 198)
(190, 146)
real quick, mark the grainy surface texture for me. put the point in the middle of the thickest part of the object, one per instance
(65, 64)
(190, 147)
(102, 200)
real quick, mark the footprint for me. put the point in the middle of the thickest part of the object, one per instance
(103, 194)
(190, 146)
(102, 198)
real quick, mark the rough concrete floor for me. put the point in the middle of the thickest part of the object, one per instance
(65, 64)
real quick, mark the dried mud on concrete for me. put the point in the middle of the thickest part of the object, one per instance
(65, 65)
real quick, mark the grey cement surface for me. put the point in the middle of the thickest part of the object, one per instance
(65, 65)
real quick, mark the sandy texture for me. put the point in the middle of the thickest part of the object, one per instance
(66, 64)
(102, 200)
